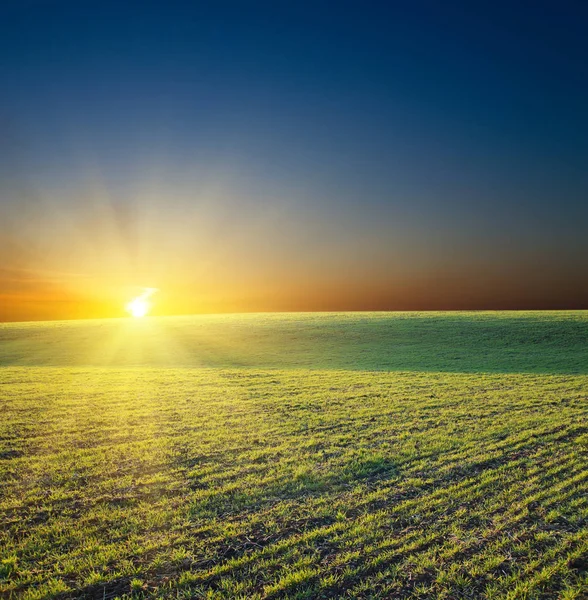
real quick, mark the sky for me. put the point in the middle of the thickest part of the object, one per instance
(286, 156)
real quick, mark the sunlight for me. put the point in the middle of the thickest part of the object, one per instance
(138, 307)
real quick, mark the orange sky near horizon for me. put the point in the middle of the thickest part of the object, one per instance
(89, 264)
(80, 255)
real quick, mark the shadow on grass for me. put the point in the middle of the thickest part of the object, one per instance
(303, 482)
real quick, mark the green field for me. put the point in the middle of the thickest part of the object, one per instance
(354, 455)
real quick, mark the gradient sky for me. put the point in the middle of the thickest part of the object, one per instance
(248, 156)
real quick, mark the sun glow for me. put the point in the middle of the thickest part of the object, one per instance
(140, 306)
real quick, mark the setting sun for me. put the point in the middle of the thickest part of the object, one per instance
(140, 306)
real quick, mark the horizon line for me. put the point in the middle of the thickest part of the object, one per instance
(301, 312)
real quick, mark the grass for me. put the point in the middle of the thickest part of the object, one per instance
(296, 456)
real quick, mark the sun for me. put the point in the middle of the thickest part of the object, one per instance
(138, 307)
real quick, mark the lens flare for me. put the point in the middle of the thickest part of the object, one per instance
(140, 306)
